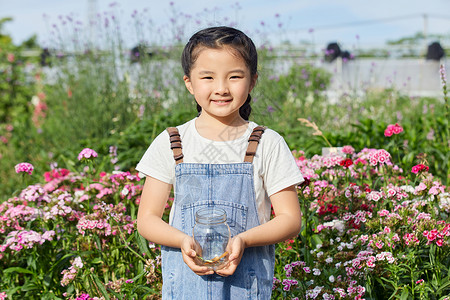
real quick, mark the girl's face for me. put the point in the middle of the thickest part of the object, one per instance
(220, 82)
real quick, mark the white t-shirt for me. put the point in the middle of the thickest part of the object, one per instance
(274, 166)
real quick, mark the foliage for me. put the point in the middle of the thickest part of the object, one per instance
(19, 96)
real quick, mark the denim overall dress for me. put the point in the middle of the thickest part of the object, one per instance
(230, 187)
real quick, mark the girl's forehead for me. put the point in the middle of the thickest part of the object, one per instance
(207, 51)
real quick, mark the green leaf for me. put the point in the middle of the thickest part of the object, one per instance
(100, 286)
(18, 270)
(443, 286)
(30, 286)
(61, 261)
(97, 260)
(405, 293)
(142, 243)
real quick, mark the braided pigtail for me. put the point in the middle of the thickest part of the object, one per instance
(246, 108)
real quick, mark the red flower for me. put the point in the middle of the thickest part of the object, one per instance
(346, 162)
(305, 183)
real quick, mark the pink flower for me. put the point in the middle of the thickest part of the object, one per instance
(348, 150)
(383, 213)
(440, 242)
(388, 132)
(432, 235)
(397, 128)
(396, 238)
(379, 156)
(371, 262)
(24, 167)
(87, 153)
(391, 192)
(10, 57)
(393, 129)
(419, 168)
(374, 196)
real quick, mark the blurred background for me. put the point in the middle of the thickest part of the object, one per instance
(389, 29)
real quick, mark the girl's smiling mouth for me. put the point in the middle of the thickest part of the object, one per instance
(221, 101)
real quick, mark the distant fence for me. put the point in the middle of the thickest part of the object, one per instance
(415, 77)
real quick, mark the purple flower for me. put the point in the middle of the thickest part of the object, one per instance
(24, 167)
(87, 154)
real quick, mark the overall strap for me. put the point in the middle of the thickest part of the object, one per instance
(253, 142)
(175, 144)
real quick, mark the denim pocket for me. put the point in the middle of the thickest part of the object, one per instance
(236, 215)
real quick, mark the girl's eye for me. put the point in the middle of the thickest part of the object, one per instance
(207, 77)
(236, 77)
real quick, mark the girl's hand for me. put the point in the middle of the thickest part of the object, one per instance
(236, 247)
(189, 250)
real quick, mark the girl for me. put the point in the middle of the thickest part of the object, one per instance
(220, 158)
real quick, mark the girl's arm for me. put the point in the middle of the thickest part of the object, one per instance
(151, 226)
(286, 224)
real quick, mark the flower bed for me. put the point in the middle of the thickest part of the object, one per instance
(370, 231)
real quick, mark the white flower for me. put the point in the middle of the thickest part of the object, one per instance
(77, 262)
(407, 188)
(125, 191)
(331, 278)
(339, 225)
(35, 100)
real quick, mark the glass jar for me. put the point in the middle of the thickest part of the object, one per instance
(211, 233)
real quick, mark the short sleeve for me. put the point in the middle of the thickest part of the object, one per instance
(157, 161)
(280, 168)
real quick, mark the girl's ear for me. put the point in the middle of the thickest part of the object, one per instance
(188, 84)
(253, 82)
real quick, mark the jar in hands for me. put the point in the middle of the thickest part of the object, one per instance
(211, 233)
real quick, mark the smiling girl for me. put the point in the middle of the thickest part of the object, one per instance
(220, 159)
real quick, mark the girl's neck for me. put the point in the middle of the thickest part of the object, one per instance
(220, 130)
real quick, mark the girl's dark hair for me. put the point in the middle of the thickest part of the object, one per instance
(216, 38)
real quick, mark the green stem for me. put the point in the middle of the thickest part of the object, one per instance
(326, 140)
(122, 236)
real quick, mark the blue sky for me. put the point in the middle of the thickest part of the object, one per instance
(368, 23)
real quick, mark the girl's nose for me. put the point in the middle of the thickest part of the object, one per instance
(221, 88)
